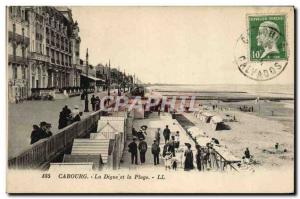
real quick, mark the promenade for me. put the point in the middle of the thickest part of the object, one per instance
(153, 122)
(22, 116)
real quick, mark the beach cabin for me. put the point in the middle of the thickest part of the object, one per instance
(94, 159)
(94, 148)
(66, 167)
(109, 126)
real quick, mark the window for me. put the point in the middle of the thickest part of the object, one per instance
(26, 16)
(15, 71)
(23, 51)
(10, 10)
(23, 72)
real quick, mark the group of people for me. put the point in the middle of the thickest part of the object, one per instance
(95, 101)
(142, 146)
(40, 132)
(67, 117)
(171, 152)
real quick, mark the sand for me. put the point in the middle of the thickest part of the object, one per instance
(258, 133)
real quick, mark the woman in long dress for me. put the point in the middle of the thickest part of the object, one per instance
(189, 159)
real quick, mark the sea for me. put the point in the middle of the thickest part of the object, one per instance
(281, 90)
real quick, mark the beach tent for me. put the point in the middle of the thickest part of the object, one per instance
(206, 117)
(217, 123)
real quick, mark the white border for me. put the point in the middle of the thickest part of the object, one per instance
(3, 97)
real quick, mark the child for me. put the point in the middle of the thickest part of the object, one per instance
(168, 160)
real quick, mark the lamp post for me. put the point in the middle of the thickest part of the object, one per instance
(108, 80)
(86, 100)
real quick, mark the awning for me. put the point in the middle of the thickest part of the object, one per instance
(93, 78)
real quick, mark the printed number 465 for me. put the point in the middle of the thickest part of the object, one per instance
(46, 175)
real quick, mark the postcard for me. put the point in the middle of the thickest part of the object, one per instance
(150, 100)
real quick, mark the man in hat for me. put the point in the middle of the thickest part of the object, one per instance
(43, 130)
(133, 150)
(167, 134)
(48, 130)
(143, 149)
(155, 149)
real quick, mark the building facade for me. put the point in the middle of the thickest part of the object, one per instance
(46, 44)
(18, 53)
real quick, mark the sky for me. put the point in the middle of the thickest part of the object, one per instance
(182, 45)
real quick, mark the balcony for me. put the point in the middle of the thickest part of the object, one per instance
(17, 59)
(39, 57)
(18, 38)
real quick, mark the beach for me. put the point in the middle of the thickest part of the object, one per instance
(270, 122)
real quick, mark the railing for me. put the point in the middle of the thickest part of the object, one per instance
(46, 150)
(218, 162)
(39, 57)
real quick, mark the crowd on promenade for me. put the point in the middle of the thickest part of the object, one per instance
(171, 152)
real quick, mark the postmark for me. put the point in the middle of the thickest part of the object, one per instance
(261, 53)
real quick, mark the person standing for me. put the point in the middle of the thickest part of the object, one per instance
(172, 146)
(167, 134)
(35, 134)
(48, 130)
(177, 140)
(133, 150)
(157, 136)
(62, 122)
(247, 153)
(97, 102)
(93, 102)
(143, 149)
(189, 158)
(199, 157)
(155, 149)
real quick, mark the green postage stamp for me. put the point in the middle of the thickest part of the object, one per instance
(267, 38)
